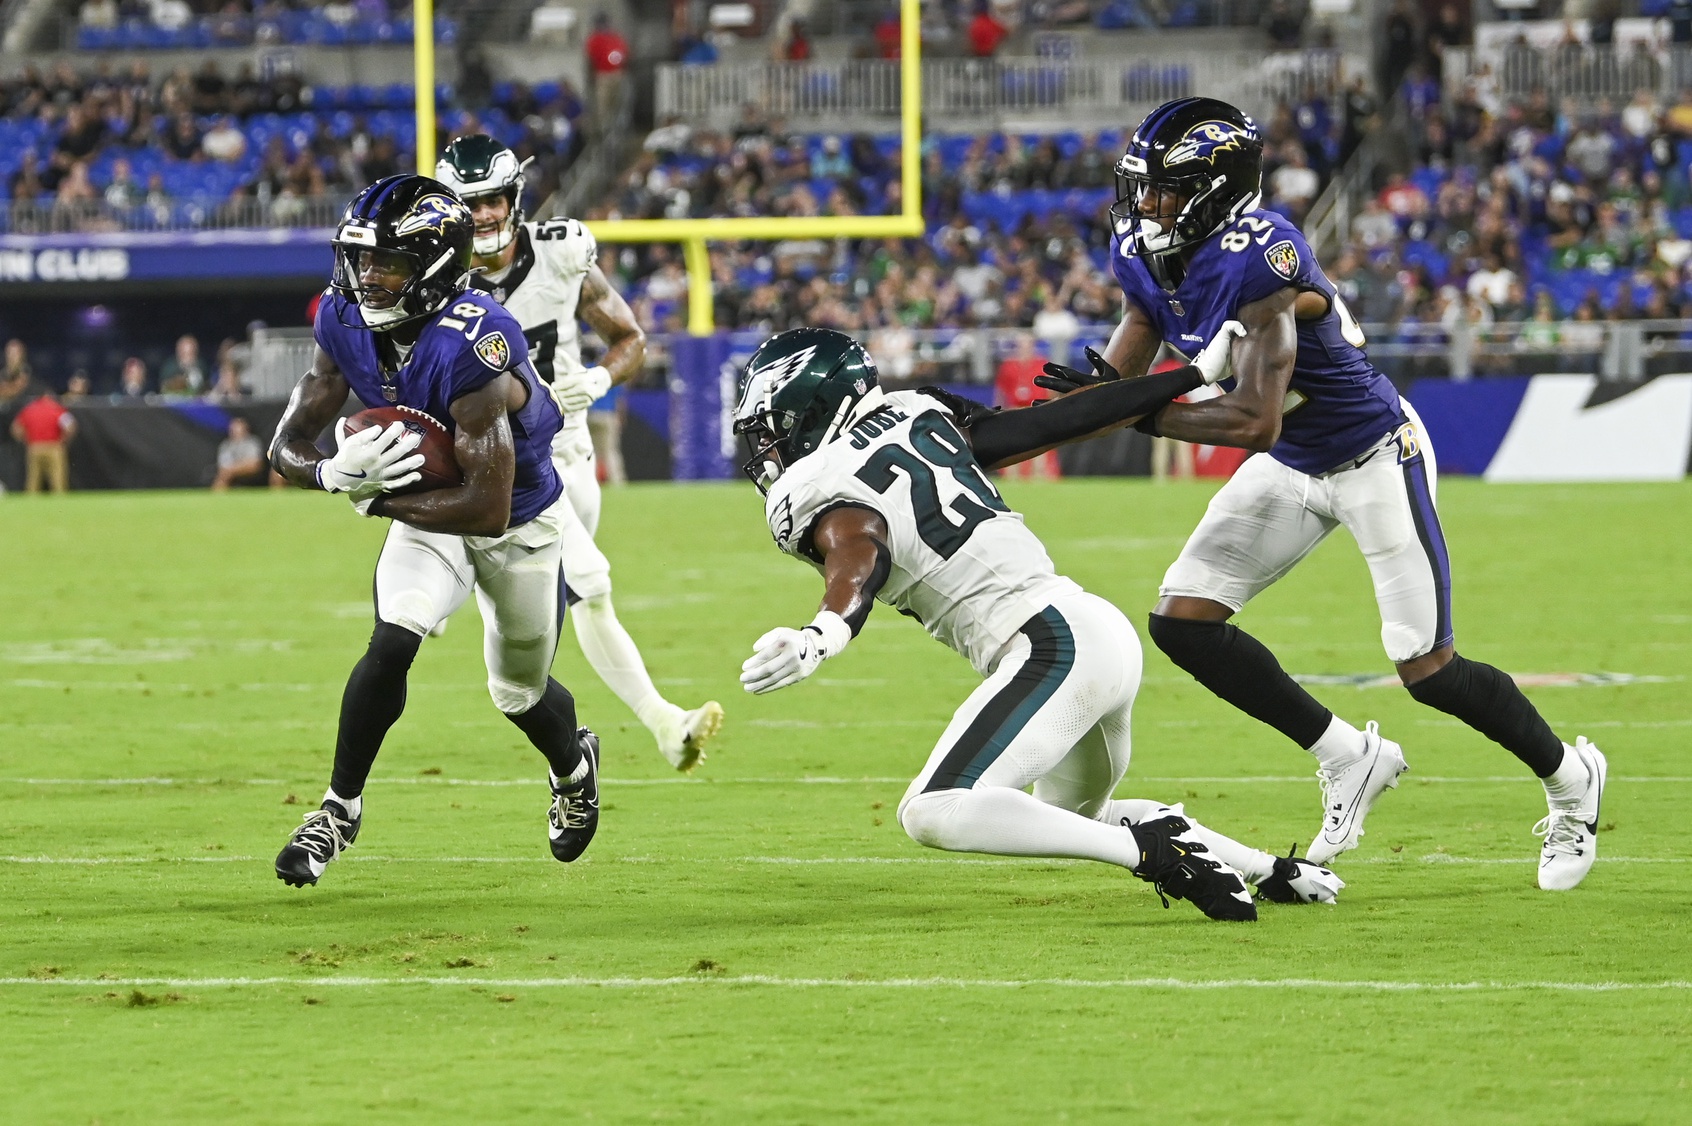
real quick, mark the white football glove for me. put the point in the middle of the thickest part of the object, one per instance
(373, 461)
(786, 656)
(1216, 361)
(579, 390)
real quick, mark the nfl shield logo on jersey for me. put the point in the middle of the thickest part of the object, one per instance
(1283, 258)
(494, 351)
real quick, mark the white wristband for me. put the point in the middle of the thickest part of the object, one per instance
(836, 634)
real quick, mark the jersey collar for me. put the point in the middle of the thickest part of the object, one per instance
(520, 267)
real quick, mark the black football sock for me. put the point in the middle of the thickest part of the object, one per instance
(1240, 669)
(373, 700)
(1489, 701)
(551, 727)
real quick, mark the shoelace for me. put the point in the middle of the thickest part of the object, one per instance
(1328, 779)
(1563, 831)
(1327, 782)
(572, 809)
(320, 834)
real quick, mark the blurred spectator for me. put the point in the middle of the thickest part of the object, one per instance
(123, 190)
(1283, 24)
(986, 33)
(44, 427)
(1056, 326)
(224, 141)
(132, 384)
(77, 388)
(889, 41)
(184, 373)
(228, 388)
(183, 141)
(1294, 184)
(793, 45)
(1014, 387)
(608, 59)
(830, 163)
(101, 14)
(605, 428)
(16, 377)
(240, 458)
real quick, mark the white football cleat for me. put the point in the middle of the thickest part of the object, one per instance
(1297, 880)
(1571, 828)
(682, 735)
(1350, 791)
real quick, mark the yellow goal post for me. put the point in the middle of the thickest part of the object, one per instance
(696, 234)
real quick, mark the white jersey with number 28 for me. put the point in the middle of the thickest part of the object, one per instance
(963, 563)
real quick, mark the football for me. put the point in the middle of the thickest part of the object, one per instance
(440, 465)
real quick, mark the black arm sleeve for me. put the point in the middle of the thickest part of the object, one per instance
(1003, 436)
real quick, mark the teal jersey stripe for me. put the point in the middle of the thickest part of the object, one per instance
(1051, 657)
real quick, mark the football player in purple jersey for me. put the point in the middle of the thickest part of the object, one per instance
(1335, 446)
(398, 326)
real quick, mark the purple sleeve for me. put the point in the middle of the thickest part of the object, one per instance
(499, 347)
(1284, 259)
(326, 327)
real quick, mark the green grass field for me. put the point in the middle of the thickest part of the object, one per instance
(762, 942)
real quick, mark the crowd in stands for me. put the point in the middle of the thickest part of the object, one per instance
(121, 148)
(1018, 226)
(1529, 219)
(165, 24)
(186, 374)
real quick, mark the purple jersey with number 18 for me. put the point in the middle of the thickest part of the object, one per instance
(1338, 405)
(462, 349)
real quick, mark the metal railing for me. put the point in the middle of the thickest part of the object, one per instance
(594, 170)
(972, 90)
(1624, 350)
(1579, 73)
(97, 216)
(1328, 225)
(279, 357)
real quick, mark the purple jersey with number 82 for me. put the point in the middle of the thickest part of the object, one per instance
(1338, 405)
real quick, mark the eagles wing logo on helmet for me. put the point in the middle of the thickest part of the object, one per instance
(432, 212)
(1204, 140)
(767, 380)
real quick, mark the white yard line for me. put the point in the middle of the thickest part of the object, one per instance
(701, 980)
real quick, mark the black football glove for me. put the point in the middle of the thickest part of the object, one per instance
(1063, 379)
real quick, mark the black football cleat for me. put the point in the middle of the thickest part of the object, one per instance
(321, 837)
(1179, 867)
(574, 816)
(1297, 880)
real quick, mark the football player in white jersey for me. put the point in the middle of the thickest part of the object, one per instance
(885, 494)
(547, 275)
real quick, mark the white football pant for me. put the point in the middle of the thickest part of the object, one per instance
(423, 577)
(1268, 517)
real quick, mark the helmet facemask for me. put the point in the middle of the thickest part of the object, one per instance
(382, 308)
(1193, 166)
(488, 245)
(477, 167)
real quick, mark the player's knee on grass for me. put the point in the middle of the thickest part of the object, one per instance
(928, 817)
